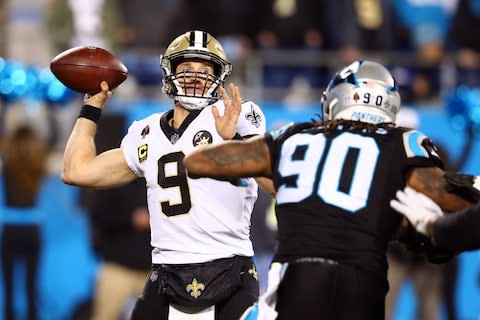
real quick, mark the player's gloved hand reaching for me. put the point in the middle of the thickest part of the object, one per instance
(419, 209)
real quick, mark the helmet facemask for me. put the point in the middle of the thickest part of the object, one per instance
(194, 46)
(364, 91)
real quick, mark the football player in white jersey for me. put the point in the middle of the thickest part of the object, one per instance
(202, 256)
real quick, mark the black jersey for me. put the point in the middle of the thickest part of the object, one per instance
(334, 182)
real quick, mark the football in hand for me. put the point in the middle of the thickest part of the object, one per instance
(82, 69)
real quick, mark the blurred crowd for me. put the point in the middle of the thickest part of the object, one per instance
(292, 39)
(274, 44)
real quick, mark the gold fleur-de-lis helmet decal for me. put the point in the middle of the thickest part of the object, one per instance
(195, 288)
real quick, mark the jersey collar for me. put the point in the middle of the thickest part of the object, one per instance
(172, 133)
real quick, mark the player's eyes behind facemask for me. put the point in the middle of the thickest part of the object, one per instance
(192, 77)
(194, 84)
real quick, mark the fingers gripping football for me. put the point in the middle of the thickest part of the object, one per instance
(83, 69)
(98, 100)
(417, 208)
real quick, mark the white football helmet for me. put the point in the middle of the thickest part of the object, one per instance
(190, 46)
(364, 91)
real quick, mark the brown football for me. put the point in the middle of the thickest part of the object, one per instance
(83, 68)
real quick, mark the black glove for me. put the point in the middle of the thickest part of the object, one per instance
(463, 186)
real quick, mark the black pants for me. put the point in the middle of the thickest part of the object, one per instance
(315, 290)
(154, 305)
(20, 242)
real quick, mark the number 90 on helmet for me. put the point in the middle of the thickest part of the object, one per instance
(363, 91)
(194, 45)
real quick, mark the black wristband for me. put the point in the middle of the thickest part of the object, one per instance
(90, 113)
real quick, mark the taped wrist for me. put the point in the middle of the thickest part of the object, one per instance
(91, 113)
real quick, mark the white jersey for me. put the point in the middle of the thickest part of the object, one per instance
(192, 220)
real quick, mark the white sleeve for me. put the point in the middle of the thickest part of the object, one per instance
(252, 121)
(131, 149)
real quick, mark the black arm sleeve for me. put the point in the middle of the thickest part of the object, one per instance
(459, 231)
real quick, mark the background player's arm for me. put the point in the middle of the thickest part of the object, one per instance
(247, 158)
(82, 166)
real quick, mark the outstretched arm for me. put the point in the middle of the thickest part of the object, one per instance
(452, 232)
(82, 166)
(227, 126)
(431, 182)
(247, 158)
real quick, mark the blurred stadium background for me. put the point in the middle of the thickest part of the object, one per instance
(283, 52)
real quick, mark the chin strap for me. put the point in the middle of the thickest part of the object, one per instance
(193, 103)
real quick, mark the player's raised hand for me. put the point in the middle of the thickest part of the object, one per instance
(98, 99)
(226, 124)
(417, 207)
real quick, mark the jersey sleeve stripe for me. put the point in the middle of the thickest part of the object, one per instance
(412, 141)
